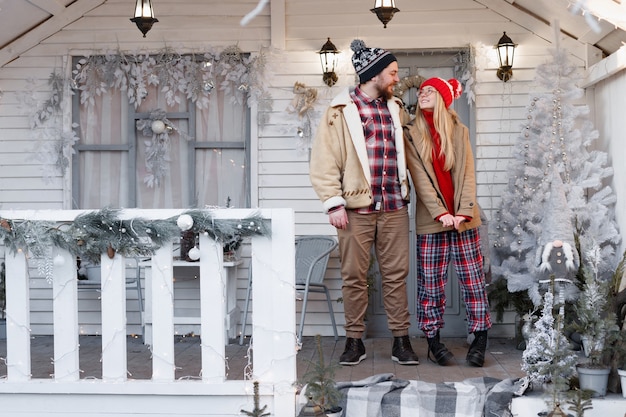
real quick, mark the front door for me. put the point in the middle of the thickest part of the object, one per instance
(425, 64)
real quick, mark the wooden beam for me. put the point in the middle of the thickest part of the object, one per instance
(609, 66)
(608, 10)
(51, 6)
(51, 26)
(278, 30)
(534, 25)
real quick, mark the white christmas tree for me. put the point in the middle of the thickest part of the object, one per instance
(553, 150)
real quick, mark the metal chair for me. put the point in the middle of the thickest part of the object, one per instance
(312, 254)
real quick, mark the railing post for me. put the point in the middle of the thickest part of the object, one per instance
(212, 309)
(162, 304)
(113, 296)
(65, 312)
(274, 306)
(18, 317)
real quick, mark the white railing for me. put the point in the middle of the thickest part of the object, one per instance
(273, 331)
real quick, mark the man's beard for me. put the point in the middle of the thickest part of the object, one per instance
(386, 92)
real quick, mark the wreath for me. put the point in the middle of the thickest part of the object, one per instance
(405, 84)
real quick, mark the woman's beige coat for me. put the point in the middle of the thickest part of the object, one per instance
(430, 203)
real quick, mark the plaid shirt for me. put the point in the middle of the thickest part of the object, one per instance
(381, 150)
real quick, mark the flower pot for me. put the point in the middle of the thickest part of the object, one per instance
(622, 379)
(595, 379)
(334, 412)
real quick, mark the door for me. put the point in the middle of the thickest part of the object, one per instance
(426, 64)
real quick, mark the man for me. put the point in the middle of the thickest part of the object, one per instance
(358, 170)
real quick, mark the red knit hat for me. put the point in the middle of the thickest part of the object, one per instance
(449, 90)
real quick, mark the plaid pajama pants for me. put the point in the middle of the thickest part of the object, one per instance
(434, 253)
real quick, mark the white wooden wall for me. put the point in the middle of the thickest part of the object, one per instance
(296, 29)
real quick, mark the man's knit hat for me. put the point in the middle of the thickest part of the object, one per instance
(369, 62)
(449, 90)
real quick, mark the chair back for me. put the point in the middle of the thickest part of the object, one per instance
(312, 254)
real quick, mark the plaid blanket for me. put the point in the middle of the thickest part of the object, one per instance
(384, 396)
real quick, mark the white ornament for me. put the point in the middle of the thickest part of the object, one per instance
(185, 222)
(158, 126)
(194, 254)
(58, 260)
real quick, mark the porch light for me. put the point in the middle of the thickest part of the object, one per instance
(328, 57)
(144, 16)
(385, 9)
(506, 50)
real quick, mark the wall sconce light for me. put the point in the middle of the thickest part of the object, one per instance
(144, 16)
(506, 50)
(385, 10)
(328, 57)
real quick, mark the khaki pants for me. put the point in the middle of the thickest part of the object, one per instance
(389, 233)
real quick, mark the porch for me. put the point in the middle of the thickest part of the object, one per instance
(502, 362)
(66, 373)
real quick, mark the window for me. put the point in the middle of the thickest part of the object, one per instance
(201, 160)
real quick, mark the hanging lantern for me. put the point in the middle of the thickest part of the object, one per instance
(144, 16)
(385, 9)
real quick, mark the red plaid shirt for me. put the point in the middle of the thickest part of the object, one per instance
(381, 150)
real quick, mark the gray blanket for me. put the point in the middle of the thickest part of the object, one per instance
(384, 396)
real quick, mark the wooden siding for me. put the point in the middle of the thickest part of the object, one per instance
(279, 165)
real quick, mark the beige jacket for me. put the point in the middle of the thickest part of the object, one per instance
(430, 203)
(339, 168)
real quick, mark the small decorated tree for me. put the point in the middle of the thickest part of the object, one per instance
(547, 359)
(320, 382)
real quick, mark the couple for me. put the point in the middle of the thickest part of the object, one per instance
(364, 146)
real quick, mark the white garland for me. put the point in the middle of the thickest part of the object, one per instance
(157, 155)
(179, 76)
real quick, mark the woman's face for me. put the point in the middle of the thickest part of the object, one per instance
(427, 97)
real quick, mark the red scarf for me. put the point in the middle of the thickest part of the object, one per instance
(444, 178)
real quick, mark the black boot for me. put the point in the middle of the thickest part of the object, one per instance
(441, 353)
(402, 352)
(476, 352)
(354, 352)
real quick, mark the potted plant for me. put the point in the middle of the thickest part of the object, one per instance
(320, 383)
(598, 328)
(617, 341)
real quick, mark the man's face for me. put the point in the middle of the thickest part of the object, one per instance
(387, 79)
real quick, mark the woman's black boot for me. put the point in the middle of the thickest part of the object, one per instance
(476, 352)
(442, 355)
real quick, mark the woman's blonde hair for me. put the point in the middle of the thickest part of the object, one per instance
(444, 120)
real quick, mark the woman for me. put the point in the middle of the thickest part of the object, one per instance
(447, 217)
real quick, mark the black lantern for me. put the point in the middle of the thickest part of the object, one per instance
(144, 16)
(385, 10)
(328, 57)
(506, 50)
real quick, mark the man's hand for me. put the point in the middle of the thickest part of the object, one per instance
(338, 218)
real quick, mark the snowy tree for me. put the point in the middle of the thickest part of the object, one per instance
(547, 357)
(554, 154)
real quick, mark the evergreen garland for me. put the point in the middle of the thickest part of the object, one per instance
(94, 233)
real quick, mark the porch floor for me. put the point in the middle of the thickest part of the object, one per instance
(502, 361)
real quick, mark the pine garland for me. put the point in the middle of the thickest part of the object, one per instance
(94, 233)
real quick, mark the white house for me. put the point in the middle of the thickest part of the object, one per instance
(243, 141)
